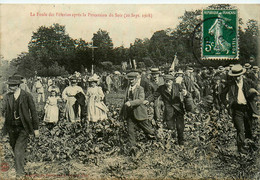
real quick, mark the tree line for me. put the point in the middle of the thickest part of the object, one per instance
(52, 52)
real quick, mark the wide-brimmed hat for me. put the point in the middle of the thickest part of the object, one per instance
(155, 71)
(236, 70)
(247, 66)
(94, 78)
(14, 80)
(168, 77)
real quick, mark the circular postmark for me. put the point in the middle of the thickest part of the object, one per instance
(4, 166)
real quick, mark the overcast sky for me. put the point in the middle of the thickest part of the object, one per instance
(17, 22)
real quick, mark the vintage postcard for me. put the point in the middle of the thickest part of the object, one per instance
(129, 91)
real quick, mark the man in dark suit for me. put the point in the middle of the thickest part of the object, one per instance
(150, 86)
(173, 95)
(20, 120)
(238, 95)
(135, 111)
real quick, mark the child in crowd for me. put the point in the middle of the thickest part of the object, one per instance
(51, 116)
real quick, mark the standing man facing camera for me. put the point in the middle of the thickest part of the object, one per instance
(134, 111)
(239, 95)
(20, 120)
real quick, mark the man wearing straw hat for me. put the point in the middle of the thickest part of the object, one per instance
(241, 94)
(21, 120)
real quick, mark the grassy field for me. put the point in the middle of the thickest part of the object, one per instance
(72, 151)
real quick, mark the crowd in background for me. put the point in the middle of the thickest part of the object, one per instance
(83, 96)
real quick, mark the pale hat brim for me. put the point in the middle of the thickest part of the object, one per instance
(230, 73)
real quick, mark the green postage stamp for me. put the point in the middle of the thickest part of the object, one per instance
(220, 34)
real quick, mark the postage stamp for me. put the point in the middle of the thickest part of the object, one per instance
(220, 34)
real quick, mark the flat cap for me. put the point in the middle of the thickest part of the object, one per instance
(132, 75)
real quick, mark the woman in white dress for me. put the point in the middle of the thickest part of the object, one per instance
(68, 95)
(96, 109)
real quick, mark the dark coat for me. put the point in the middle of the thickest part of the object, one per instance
(27, 112)
(171, 99)
(231, 89)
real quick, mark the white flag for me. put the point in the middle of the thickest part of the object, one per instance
(174, 63)
(134, 63)
(130, 63)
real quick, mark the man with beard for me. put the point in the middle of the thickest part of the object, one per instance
(20, 121)
(135, 112)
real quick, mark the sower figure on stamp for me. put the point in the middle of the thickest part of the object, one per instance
(21, 120)
(238, 95)
(135, 111)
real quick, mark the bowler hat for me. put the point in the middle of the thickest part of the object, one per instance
(14, 80)
(236, 70)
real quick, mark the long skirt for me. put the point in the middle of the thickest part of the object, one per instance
(96, 111)
(69, 110)
(51, 114)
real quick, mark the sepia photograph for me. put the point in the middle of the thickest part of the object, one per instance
(129, 91)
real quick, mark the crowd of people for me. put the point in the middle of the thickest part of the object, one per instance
(233, 89)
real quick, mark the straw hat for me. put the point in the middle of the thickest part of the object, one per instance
(94, 78)
(236, 70)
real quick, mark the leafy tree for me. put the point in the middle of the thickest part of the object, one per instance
(104, 44)
(51, 44)
(139, 49)
(83, 55)
(121, 54)
(249, 41)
